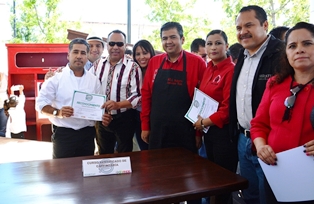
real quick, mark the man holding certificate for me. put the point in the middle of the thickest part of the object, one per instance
(71, 136)
(121, 80)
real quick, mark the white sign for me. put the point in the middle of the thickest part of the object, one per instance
(292, 178)
(202, 105)
(106, 166)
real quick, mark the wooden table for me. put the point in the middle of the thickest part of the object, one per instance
(159, 176)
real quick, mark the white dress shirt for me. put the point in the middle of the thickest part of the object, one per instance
(245, 85)
(58, 91)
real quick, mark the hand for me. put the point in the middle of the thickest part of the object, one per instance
(266, 154)
(49, 74)
(309, 148)
(198, 142)
(65, 111)
(197, 125)
(21, 87)
(145, 136)
(106, 119)
(111, 105)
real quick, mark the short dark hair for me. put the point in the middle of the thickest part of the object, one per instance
(234, 50)
(220, 32)
(117, 31)
(260, 13)
(170, 25)
(146, 45)
(79, 41)
(128, 52)
(196, 43)
(279, 31)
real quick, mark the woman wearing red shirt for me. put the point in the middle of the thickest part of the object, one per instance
(216, 83)
(285, 116)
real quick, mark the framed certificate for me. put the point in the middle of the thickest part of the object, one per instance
(88, 106)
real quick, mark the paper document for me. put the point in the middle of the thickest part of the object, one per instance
(292, 178)
(88, 106)
(202, 105)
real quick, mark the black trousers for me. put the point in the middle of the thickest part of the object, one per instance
(68, 142)
(120, 130)
(221, 151)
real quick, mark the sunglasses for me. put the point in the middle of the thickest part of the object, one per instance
(119, 44)
(204, 55)
(289, 102)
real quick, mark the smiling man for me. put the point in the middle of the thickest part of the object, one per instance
(97, 46)
(71, 136)
(167, 93)
(121, 80)
(255, 65)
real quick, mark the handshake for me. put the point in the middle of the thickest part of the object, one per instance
(17, 87)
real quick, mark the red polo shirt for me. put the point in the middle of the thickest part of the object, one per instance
(216, 83)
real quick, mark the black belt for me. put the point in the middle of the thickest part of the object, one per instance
(245, 132)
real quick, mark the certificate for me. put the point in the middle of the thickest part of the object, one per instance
(292, 178)
(88, 106)
(202, 105)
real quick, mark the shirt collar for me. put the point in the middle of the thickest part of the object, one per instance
(221, 64)
(123, 60)
(260, 49)
(179, 58)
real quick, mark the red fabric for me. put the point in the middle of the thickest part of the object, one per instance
(216, 83)
(195, 69)
(268, 123)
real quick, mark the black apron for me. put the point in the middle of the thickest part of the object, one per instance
(170, 102)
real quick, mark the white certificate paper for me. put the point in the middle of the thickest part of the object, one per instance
(88, 106)
(292, 179)
(202, 105)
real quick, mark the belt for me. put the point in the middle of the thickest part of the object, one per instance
(246, 132)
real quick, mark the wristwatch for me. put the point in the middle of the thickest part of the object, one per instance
(203, 126)
(55, 112)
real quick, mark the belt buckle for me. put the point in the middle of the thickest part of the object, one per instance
(247, 133)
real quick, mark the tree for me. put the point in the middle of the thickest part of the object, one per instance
(38, 21)
(281, 12)
(163, 11)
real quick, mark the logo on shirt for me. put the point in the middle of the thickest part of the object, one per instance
(264, 77)
(88, 97)
(217, 79)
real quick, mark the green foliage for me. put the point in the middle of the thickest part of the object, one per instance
(280, 12)
(163, 11)
(38, 21)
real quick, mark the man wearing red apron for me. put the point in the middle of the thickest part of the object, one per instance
(167, 93)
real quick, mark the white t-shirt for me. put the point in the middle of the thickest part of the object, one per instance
(17, 116)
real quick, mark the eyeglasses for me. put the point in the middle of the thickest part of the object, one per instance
(119, 44)
(289, 102)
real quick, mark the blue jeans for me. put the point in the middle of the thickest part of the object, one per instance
(252, 171)
(3, 123)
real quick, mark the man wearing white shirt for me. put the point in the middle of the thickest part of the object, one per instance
(71, 136)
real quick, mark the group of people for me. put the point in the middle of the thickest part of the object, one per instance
(265, 96)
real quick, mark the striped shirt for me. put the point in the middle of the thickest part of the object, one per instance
(126, 81)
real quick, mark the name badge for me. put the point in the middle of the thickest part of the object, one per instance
(106, 166)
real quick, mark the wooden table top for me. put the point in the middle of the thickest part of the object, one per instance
(158, 176)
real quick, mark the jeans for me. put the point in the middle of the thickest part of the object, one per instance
(252, 171)
(3, 123)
